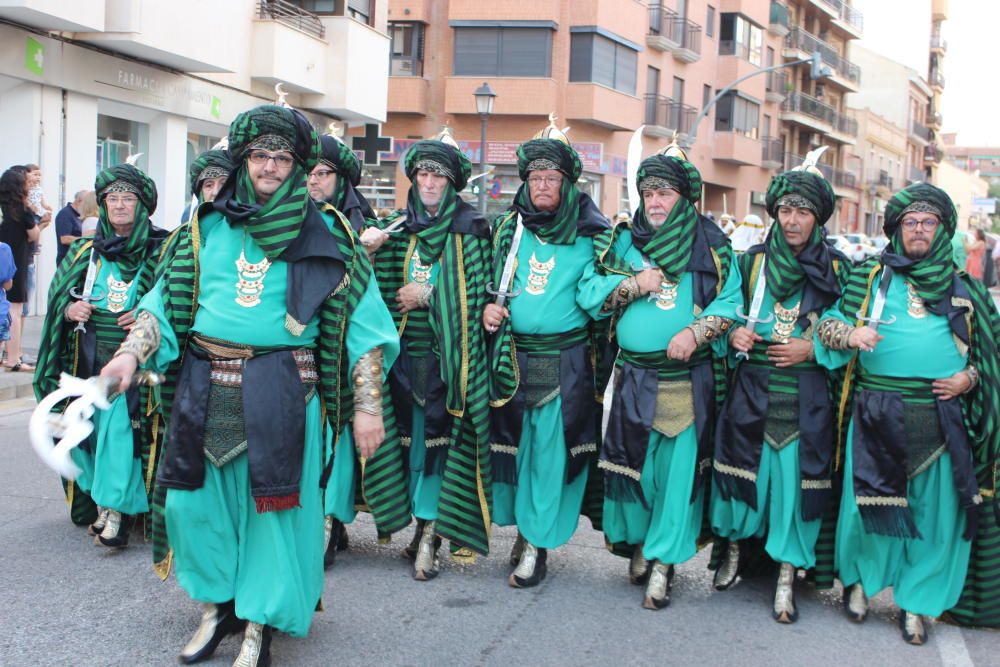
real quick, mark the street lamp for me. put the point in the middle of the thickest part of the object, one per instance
(484, 105)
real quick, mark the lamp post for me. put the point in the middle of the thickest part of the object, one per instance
(484, 105)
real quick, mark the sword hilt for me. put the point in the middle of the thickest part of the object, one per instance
(874, 322)
(510, 294)
(751, 321)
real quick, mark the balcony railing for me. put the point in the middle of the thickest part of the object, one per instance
(772, 150)
(845, 179)
(933, 154)
(880, 177)
(665, 112)
(937, 79)
(792, 160)
(688, 34)
(938, 42)
(292, 16)
(916, 174)
(845, 125)
(810, 106)
(920, 130)
(847, 13)
(779, 13)
(777, 82)
(807, 43)
(661, 19)
(934, 118)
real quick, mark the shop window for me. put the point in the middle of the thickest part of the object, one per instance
(117, 138)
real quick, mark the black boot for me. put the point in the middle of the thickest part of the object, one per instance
(256, 648)
(217, 622)
(338, 535)
(116, 529)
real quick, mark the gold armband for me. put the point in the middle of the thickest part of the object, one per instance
(834, 334)
(143, 340)
(709, 328)
(622, 295)
(367, 378)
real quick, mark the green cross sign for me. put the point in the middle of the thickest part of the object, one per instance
(216, 109)
(34, 57)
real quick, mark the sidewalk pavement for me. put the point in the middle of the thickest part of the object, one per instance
(18, 385)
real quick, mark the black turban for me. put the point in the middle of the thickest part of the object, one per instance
(920, 197)
(126, 178)
(339, 157)
(439, 157)
(658, 171)
(556, 153)
(274, 127)
(215, 162)
(812, 188)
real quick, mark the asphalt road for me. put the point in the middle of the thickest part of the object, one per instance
(65, 601)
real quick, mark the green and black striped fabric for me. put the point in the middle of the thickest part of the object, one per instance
(980, 601)
(384, 481)
(453, 329)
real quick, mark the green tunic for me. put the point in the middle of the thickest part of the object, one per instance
(270, 563)
(111, 473)
(926, 573)
(562, 291)
(668, 527)
(789, 538)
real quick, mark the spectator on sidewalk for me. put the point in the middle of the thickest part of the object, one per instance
(19, 227)
(43, 213)
(974, 252)
(7, 271)
(90, 213)
(69, 225)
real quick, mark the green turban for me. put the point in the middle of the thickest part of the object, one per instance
(666, 171)
(922, 197)
(440, 158)
(210, 164)
(273, 128)
(339, 157)
(126, 178)
(538, 154)
(801, 189)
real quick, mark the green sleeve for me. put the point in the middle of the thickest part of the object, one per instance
(593, 290)
(369, 326)
(168, 351)
(825, 357)
(725, 304)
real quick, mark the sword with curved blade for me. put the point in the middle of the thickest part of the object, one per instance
(71, 427)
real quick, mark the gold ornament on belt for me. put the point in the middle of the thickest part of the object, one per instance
(785, 322)
(250, 283)
(915, 303)
(666, 298)
(117, 294)
(538, 279)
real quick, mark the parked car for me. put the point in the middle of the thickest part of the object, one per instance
(855, 250)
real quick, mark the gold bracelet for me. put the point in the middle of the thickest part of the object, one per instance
(622, 295)
(143, 340)
(834, 334)
(709, 328)
(973, 374)
(367, 377)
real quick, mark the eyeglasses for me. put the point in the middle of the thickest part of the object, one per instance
(927, 223)
(547, 180)
(127, 200)
(282, 160)
(322, 173)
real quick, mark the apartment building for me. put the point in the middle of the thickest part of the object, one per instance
(83, 84)
(606, 67)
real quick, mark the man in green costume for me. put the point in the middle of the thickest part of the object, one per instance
(270, 329)
(920, 408)
(658, 444)
(433, 274)
(774, 445)
(208, 173)
(544, 434)
(82, 332)
(334, 180)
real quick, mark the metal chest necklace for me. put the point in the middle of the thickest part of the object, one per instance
(250, 277)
